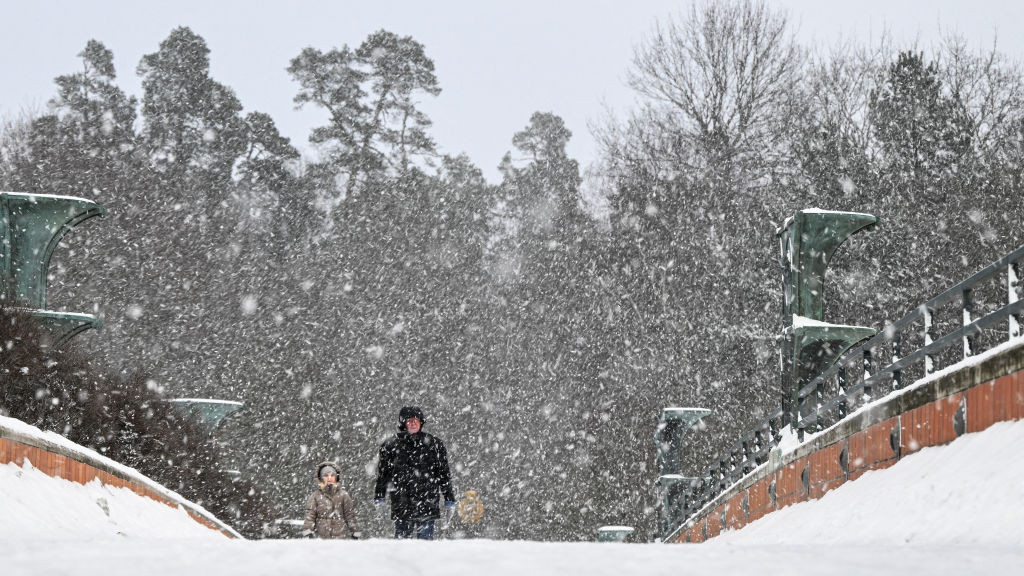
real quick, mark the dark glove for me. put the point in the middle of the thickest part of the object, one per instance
(449, 514)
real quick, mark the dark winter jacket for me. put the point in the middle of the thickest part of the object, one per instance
(330, 512)
(413, 469)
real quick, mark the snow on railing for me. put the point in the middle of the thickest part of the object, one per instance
(987, 316)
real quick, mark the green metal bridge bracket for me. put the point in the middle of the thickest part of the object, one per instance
(668, 441)
(814, 348)
(668, 436)
(807, 242)
(32, 225)
(64, 326)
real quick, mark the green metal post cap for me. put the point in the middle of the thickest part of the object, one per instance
(208, 411)
(673, 479)
(687, 416)
(63, 326)
(676, 421)
(613, 533)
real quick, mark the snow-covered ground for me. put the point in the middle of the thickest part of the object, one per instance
(957, 509)
(35, 506)
(968, 493)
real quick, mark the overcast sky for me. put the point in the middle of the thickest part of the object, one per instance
(497, 61)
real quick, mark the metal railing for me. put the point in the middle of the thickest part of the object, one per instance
(974, 316)
(969, 318)
(750, 451)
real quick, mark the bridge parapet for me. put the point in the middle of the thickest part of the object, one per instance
(858, 393)
(934, 411)
(57, 456)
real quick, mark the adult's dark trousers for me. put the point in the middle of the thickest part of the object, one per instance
(419, 529)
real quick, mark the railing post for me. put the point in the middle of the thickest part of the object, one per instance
(749, 458)
(776, 428)
(819, 397)
(1012, 283)
(759, 442)
(897, 375)
(843, 407)
(797, 417)
(867, 375)
(929, 337)
(968, 306)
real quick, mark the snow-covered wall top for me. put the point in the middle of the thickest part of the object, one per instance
(18, 431)
(978, 391)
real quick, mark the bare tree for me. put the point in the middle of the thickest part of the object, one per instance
(840, 87)
(14, 148)
(991, 89)
(723, 77)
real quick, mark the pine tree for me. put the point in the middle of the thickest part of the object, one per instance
(192, 129)
(375, 126)
(923, 133)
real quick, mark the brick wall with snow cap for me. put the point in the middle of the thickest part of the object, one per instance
(58, 457)
(934, 411)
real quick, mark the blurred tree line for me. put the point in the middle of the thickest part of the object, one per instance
(125, 417)
(541, 331)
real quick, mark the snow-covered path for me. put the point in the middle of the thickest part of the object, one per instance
(956, 509)
(479, 557)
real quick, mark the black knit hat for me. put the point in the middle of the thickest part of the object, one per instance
(410, 412)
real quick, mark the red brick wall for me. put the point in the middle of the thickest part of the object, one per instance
(826, 472)
(714, 522)
(760, 499)
(695, 534)
(929, 425)
(735, 512)
(997, 401)
(873, 448)
(789, 483)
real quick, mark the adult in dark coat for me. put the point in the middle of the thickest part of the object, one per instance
(413, 470)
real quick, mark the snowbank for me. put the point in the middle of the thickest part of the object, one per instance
(949, 510)
(970, 492)
(18, 431)
(36, 506)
